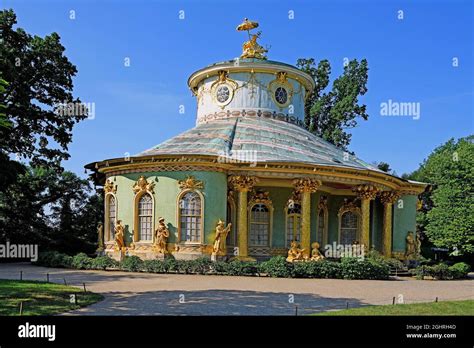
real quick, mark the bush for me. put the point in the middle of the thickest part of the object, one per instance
(442, 271)
(354, 268)
(240, 268)
(201, 265)
(81, 261)
(277, 267)
(154, 266)
(103, 262)
(54, 259)
(132, 264)
(460, 270)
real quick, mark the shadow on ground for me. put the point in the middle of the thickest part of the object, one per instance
(214, 302)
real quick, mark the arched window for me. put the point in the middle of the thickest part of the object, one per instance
(145, 217)
(349, 226)
(259, 225)
(293, 223)
(190, 217)
(111, 209)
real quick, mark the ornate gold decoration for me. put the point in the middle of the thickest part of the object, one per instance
(260, 197)
(109, 187)
(143, 185)
(223, 80)
(306, 185)
(295, 253)
(349, 205)
(295, 198)
(190, 183)
(251, 49)
(323, 203)
(219, 247)
(161, 236)
(389, 196)
(281, 81)
(242, 182)
(366, 191)
(119, 236)
(315, 253)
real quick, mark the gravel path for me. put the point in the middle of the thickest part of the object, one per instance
(165, 294)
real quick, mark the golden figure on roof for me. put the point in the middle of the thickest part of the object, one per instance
(251, 49)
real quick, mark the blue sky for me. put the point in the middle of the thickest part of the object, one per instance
(137, 107)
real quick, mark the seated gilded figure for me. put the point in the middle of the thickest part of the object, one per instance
(315, 253)
(295, 253)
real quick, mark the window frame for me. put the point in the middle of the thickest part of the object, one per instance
(107, 197)
(293, 216)
(136, 219)
(178, 217)
(352, 209)
(270, 224)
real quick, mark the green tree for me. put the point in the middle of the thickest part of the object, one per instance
(56, 211)
(39, 79)
(329, 113)
(447, 215)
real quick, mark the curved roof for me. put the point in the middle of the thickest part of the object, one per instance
(272, 140)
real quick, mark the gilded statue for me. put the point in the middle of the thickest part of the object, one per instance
(410, 251)
(220, 238)
(295, 253)
(315, 253)
(161, 236)
(119, 236)
(251, 49)
(418, 244)
(100, 236)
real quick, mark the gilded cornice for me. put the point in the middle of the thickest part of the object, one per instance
(366, 191)
(306, 185)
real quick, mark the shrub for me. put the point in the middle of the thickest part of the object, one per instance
(330, 269)
(240, 268)
(154, 266)
(132, 264)
(201, 265)
(460, 270)
(54, 259)
(103, 262)
(277, 267)
(394, 263)
(354, 268)
(81, 261)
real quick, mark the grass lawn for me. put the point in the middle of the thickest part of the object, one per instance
(40, 298)
(465, 307)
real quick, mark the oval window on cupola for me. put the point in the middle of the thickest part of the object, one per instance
(281, 95)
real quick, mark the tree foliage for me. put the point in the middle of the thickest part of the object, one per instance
(55, 211)
(329, 113)
(39, 79)
(447, 216)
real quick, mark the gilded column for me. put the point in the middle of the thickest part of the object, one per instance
(365, 193)
(242, 184)
(306, 186)
(388, 198)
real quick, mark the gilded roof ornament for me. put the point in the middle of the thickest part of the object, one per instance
(250, 48)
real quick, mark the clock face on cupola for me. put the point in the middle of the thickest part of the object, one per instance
(251, 85)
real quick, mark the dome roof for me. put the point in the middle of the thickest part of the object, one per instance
(272, 140)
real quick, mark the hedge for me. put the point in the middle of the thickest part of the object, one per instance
(372, 267)
(442, 271)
